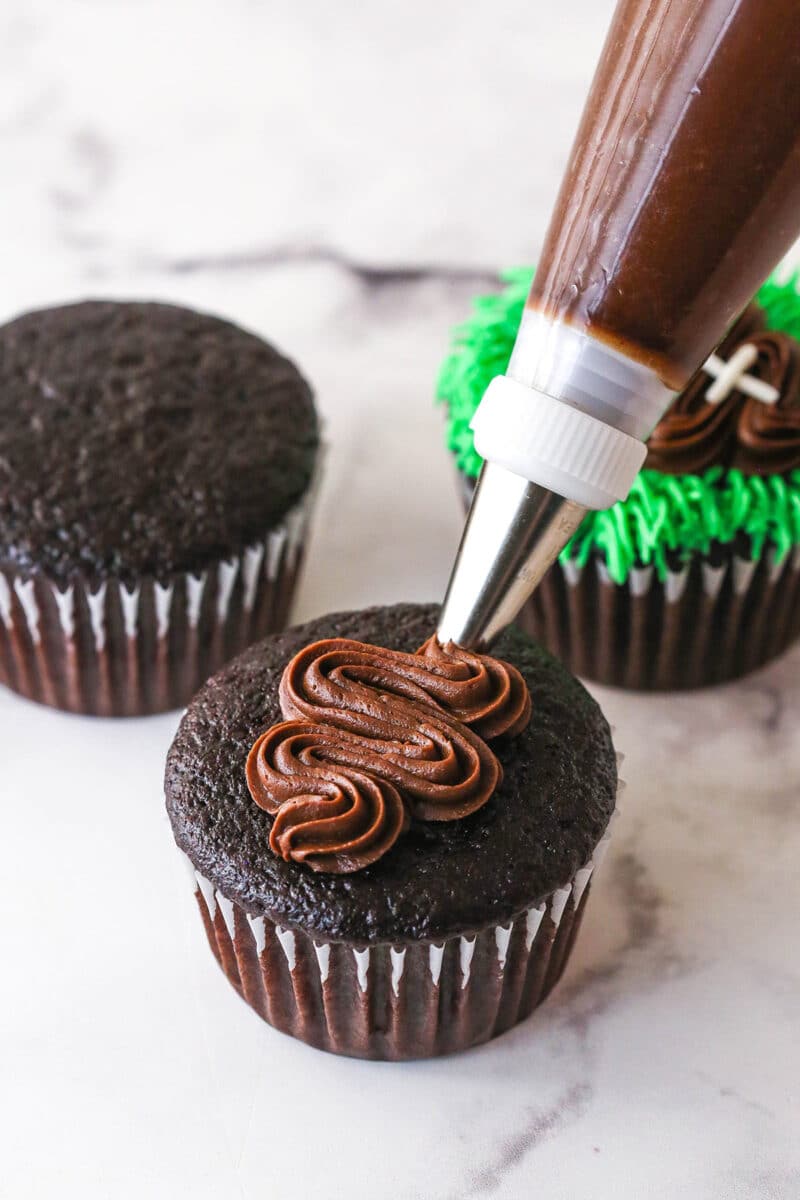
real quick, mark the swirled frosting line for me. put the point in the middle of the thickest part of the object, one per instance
(485, 693)
(768, 435)
(374, 738)
(337, 821)
(337, 681)
(738, 431)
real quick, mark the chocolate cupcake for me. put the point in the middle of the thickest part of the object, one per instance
(695, 578)
(391, 842)
(155, 475)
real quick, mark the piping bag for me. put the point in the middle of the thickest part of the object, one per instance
(681, 194)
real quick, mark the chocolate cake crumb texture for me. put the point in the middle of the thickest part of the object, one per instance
(143, 438)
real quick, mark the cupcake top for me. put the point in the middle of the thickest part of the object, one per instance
(723, 465)
(140, 438)
(450, 859)
(374, 737)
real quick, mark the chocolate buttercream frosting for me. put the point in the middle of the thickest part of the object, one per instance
(376, 737)
(768, 435)
(738, 430)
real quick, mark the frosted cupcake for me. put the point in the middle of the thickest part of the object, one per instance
(695, 578)
(391, 843)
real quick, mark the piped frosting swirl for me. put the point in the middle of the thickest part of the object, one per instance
(374, 738)
(739, 429)
(768, 435)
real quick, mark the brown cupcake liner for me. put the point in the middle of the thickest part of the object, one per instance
(109, 650)
(705, 624)
(403, 1000)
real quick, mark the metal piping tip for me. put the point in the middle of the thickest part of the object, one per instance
(515, 530)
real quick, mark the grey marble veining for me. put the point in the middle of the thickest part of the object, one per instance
(343, 179)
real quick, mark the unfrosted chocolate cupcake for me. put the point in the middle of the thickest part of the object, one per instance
(155, 473)
(391, 851)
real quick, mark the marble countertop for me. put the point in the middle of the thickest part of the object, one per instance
(342, 179)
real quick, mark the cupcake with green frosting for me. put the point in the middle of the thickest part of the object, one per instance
(695, 578)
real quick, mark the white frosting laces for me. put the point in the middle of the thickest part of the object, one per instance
(732, 376)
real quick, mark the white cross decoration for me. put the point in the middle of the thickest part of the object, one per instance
(732, 376)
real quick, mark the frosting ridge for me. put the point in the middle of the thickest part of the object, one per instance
(739, 430)
(374, 737)
(768, 435)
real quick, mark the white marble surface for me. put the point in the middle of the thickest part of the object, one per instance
(341, 178)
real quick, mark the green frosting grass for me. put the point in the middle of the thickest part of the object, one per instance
(664, 514)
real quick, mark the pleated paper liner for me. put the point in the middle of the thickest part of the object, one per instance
(403, 1000)
(707, 623)
(114, 651)
(714, 620)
